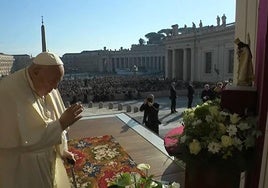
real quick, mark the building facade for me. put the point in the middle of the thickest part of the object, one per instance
(203, 54)
(84, 62)
(6, 62)
(147, 59)
(20, 62)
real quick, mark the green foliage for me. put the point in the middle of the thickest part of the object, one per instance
(154, 38)
(167, 32)
(134, 180)
(141, 41)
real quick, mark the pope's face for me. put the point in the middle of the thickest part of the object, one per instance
(48, 78)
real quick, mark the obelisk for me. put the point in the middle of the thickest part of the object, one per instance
(43, 35)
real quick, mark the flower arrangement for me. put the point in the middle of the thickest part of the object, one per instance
(212, 135)
(136, 180)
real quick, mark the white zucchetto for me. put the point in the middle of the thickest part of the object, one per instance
(47, 58)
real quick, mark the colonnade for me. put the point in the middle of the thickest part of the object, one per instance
(149, 63)
(180, 64)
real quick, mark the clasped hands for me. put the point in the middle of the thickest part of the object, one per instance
(148, 102)
(71, 115)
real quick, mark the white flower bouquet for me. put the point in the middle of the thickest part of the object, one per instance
(212, 135)
(135, 180)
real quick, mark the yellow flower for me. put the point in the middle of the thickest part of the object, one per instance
(194, 147)
(222, 128)
(234, 118)
(214, 111)
(226, 141)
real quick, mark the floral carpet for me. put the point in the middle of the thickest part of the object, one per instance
(99, 160)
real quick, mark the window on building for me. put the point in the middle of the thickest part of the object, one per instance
(208, 62)
(231, 61)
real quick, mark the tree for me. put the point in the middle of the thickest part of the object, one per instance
(167, 32)
(141, 41)
(154, 38)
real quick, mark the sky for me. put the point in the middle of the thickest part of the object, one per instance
(73, 26)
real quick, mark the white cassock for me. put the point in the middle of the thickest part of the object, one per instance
(31, 138)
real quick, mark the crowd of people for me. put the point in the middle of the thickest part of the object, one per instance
(107, 88)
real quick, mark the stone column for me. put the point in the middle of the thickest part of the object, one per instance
(126, 62)
(192, 64)
(120, 62)
(175, 63)
(117, 63)
(184, 64)
(200, 69)
(129, 63)
(173, 70)
(143, 60)
(159, 63)
(167, 65)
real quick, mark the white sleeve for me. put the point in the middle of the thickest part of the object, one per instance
(64, 142)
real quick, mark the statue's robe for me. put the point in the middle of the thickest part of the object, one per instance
(245, 67)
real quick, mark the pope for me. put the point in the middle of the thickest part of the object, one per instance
(34, 123)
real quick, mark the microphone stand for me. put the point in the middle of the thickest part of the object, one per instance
(72, 163)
